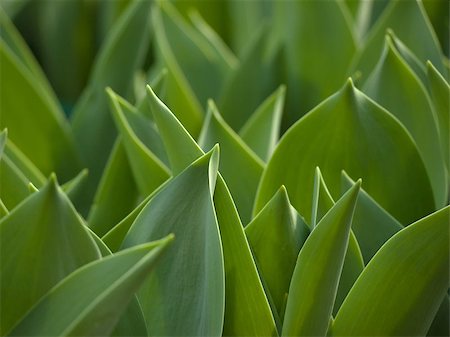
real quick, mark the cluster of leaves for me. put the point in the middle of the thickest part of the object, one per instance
(192, 217)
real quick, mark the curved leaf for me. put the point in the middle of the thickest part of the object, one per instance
(42, 241)
(372, 225)
(276, 235)
(262, 130)
(192, 303)
(247, 312)
(393, 85)
(404, 283)
(240, 166)
(316, 275)
(346, 132)
(107, 287)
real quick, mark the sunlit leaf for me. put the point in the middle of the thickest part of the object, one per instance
(404, 283)
(112, 281)
(42, 241)
(346, 132)
(316, 275)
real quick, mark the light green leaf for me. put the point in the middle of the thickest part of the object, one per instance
(393, 85)
(404, 283)
(275, 236)
(353, 262)
(35, 122)
(180, 95)
(240, 166)
(372, 225)
(316, 276)
(42, 241)
(247, 312)
(410, 23)
(120, 55)
(110, 207)
(149, 172)
(3, 210)
(440, 93)
(303, 28)
(262, 130)
(107, 287)
(345, 132)
(255, 78)
(73, 187)
(3, 138)
(192, 304)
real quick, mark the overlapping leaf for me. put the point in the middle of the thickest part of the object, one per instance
(346, 132)
(404, 283)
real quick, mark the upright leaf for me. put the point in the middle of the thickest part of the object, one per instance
(90, 301)
(42, 241)
(316, 276)
(303, 28)
(247, 312)
(240, 166)
(372, 225)
(192, 303)
(276, 235)
(120, 55)
(404, 283)
(261, 131)
(35, 122)
(346, 132)
(395, 86)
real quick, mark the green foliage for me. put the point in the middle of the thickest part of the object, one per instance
(179, 217)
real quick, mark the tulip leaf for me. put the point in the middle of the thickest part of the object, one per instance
(402, 17)
(372, 225)
(440, 92)
(441, 322)
(275, 236)
(120, 55)
(316, 275)
(148, 170)
(3, 210)
(108, 286)
(345, 132)
(27, 119)
(73, 187)
(45, 237)
(404, 283)
(262, 129)
(393, 85)
(247, 311)
(311, 76)
(110, 207)
(241, 167)
(353, 262)
(198, 297)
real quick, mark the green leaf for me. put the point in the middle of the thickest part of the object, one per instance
(372, 225)
(194, 303)
(353, 262)
(247, 312)
(180, 95)
(148, 170)
(258, 65)
(261, 131)
(107, 287)
(440, 91)
(440, 325)
(404, 283)
(345, 132)
(276, 235)
(110, 207)
(240, 166)
(3, 210)
(3, 138)
(316, 276)
(27, 119)
(410, 23)
(303, 28)
(73, 187)
(47, 239)
(393, 85)
(120, 55)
